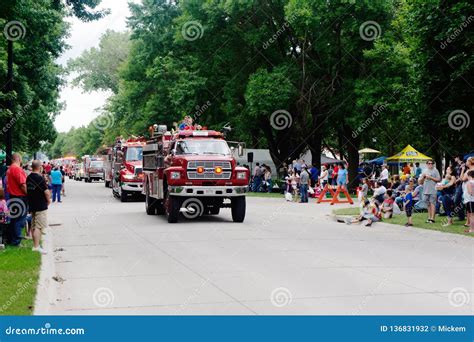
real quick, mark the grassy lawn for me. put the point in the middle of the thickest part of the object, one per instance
(265, 194)
(419, 221)
(19, 270)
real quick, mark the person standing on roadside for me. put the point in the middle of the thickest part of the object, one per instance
(17, 202)
(63, 173)
(56, 183)
(430, 177)
(384, 175)
(304, 183)
(39, 198)
(458, 192)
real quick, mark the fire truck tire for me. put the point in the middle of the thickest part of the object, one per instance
(150, 204)
(173, 209)
(238, 209)
(107, 184)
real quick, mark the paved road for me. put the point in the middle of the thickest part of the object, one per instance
(286, 258)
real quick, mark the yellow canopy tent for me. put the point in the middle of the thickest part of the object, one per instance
(408, 155)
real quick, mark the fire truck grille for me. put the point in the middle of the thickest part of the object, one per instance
(209, 167)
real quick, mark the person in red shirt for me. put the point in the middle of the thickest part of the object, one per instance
(47, 168)
(17, 203)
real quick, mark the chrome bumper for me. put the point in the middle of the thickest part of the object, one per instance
(208, 191)
(132, 186)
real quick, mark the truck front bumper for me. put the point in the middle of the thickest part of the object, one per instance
(132, 186)
(208, 191)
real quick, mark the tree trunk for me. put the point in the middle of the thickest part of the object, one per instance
(352, 146)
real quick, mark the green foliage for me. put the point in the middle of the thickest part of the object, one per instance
(98, 68)
(37, 76)
(352, 74)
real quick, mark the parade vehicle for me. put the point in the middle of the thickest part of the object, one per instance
(79, 172)
(126, 166)
(107, 156)
(192, 173)
(67, 163)
(93, 168)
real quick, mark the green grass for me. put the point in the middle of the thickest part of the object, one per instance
(265, 194)
(19, 274)
(419, 221)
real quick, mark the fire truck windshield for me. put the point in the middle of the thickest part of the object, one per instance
(134, 153)
(97, 163)
(198, 146)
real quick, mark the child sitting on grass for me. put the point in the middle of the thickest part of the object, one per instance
(387, 205)
(370, 212)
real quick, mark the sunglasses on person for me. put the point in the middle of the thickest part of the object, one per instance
(430, 163)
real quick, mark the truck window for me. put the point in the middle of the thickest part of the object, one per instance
(199, 146)
(134, 153)
(97, 164)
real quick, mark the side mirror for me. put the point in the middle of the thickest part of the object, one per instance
(240, 149)
(173, 151)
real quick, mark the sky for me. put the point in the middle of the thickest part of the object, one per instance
(81, 107)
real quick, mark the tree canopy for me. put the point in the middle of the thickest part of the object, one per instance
(292, 75)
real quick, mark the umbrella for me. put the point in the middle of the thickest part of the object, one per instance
(408, 155)
(368, 150)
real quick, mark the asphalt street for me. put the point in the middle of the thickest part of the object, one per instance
(109, 257)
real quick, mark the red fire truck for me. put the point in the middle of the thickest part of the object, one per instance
(192, 173)
(126, 166)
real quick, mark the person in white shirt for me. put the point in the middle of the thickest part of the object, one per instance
(379, 192)
(384, 176)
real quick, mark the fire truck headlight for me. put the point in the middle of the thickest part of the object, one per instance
(175, 175)
(241, 175)
(128, 176)
(218, 170)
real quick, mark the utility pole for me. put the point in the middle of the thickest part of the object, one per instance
(9, 88)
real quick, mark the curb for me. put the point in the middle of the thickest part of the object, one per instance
(46, 293)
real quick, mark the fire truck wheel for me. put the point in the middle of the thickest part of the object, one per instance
(150, 203)
(172, 210)
(107, 184)
(238, 209)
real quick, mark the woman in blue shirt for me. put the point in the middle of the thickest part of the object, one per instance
(56, 182)
(342, 176)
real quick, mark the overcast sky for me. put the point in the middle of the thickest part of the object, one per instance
(80, 107)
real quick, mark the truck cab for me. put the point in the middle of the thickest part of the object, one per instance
(127, 170)
(192, 173)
